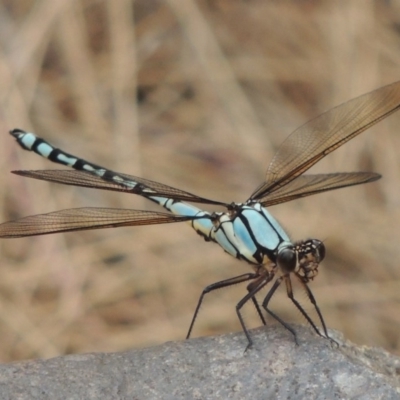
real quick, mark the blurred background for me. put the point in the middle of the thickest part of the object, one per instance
(197, 95)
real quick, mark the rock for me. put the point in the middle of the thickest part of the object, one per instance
(214, 368)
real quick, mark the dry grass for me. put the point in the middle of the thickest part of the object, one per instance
(196, 94)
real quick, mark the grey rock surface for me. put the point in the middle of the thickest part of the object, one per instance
(213, 368)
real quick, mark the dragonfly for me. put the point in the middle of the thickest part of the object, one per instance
(247, 230)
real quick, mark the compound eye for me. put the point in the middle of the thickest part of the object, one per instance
(320, 249)
(287, 259)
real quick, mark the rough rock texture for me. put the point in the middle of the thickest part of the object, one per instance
(213, 368)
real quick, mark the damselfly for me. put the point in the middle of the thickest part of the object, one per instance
(246, 231)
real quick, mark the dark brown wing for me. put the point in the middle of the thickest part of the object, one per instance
(324, 134)
(306, 185)
(76, 219)
(85, 179)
